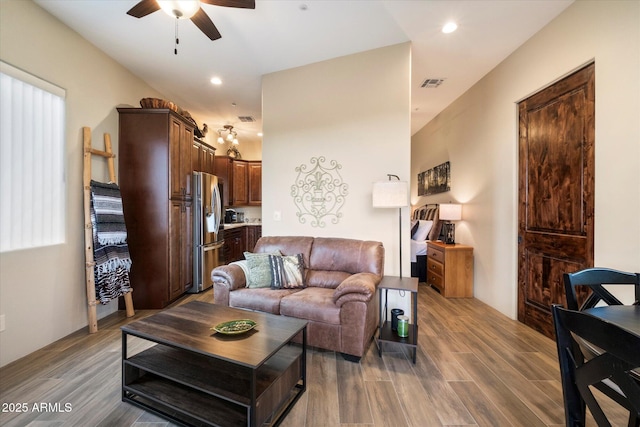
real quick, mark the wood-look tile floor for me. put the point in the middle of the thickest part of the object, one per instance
(474, 367)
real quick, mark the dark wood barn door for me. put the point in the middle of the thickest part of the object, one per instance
(556, 200)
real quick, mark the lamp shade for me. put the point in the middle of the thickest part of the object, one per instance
(450, 212)
(390, 194)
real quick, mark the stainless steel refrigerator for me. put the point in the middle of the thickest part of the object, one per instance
(207, 229)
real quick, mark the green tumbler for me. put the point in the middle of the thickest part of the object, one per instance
(403, 326)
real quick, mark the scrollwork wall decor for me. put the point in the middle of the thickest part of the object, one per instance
(319, 192)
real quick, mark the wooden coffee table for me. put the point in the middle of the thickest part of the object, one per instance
(195, 376)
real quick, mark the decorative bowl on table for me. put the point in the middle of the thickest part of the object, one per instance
(233, 327)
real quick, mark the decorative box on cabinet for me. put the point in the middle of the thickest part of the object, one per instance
(155, 165)
(450, 269)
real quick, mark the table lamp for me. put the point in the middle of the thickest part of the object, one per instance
(450, 212)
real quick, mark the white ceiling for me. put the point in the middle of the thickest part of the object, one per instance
(279, 34)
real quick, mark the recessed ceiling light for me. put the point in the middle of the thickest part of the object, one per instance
(449, 27)
(216, 81)
(259, 133)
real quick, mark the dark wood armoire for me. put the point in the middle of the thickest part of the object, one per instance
(155, 169)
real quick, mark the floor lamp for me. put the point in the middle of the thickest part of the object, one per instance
(392, 194)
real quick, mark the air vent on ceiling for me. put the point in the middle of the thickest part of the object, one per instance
(432, 83)
(246, 119)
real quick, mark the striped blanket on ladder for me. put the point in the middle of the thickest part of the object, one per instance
(110, 250)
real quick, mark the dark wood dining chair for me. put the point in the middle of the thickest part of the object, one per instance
(609, 372)
(594, 278)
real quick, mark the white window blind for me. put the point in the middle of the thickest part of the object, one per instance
(32, 187)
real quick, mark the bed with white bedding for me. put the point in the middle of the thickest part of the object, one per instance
(425, 226)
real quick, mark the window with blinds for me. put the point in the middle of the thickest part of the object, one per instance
(32, 181)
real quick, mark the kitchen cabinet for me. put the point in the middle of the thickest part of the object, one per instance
(208, 159)
(155, 164)
(180, 248)
(254, 170)
(240, 183)
(239, 239)
(234, 244)
(253, 232)
(243, 181)
(180, 143)
(203, 157)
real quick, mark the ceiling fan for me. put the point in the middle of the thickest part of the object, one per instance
(182, 9)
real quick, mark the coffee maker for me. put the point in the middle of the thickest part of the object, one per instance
(230, 216)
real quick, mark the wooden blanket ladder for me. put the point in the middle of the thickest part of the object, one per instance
(88, 228)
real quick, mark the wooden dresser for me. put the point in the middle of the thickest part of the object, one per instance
(450, 269)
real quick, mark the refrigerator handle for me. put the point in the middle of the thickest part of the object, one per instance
(216, 203)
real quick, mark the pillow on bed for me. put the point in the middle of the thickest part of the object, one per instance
(423, 230)
(414, 226)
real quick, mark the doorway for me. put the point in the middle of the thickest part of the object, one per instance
(555, 193)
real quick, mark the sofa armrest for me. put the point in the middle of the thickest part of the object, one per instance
(357, 287)
(226, 278)
(231, 276)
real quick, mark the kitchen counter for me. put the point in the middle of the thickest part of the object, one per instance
(240, 224)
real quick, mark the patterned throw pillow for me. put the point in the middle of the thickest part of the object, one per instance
(287, 272)
(259, 270)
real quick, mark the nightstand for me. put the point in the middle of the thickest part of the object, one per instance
(385, 334)
(450, 269)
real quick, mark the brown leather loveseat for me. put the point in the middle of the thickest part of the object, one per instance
(340, 279)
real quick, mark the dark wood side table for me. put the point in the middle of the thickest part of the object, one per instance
(385, 334)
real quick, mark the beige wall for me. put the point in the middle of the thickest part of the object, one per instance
(478, 134)
(353, 110)
(42, 291)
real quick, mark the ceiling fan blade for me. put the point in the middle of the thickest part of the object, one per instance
(143, 8)
(205, 24)
(244, 4)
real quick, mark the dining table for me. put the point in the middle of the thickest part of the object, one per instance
(625, 316)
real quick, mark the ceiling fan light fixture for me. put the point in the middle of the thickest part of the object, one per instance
(181, 9)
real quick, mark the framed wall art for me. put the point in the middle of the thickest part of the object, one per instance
(435, 180)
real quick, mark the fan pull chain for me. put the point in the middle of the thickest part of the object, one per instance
(175, 49)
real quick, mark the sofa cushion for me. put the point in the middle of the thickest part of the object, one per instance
(347, 255)
(286, 245)
(314, 304)
(325, 279)
(260, 299)
(287, 272)
(259, 270)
